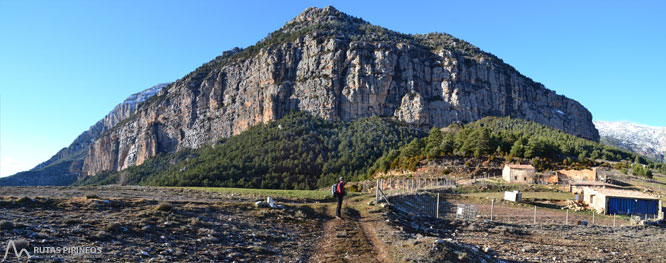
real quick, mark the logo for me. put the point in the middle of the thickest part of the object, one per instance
(18, 254)
(49, 252)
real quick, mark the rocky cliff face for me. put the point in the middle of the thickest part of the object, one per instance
(63, 167)
(336, 67)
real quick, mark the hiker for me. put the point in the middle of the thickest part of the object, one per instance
(339, 194)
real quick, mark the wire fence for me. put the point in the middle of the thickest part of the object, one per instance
(402, 186)
(434, 198)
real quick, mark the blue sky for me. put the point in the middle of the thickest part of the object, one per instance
(65, 64)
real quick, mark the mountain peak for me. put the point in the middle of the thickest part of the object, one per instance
(312, 13)
(335, 67)
(327, 20)
(318, 15)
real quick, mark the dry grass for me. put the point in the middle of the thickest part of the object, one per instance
(559, 196)
(165, 207)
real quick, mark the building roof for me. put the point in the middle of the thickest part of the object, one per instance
(621, 193)
(519, 166)
(593, 183)
(578, 170)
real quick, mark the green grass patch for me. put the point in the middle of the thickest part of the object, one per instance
(306, 195)
(659, 178)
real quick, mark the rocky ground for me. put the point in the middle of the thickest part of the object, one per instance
(369, 233)
(157, 225)
(538, 243)
(145, 224)
(346, 241)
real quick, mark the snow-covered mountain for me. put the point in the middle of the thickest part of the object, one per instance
(64, 167)
(642, 139)
(139, 97)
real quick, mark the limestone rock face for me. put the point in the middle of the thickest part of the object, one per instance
(336, 67)
(412, 109)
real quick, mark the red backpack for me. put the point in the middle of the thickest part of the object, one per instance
(338, 188)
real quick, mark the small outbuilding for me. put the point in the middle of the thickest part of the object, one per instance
(577, 187)
(518, 173)
(622, 202)
(513, 196)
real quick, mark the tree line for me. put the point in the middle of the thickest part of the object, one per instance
(298, 151)
(509, 138)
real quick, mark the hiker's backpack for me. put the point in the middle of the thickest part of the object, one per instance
(334, 189)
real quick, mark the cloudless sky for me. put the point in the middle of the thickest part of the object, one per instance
(66, 64)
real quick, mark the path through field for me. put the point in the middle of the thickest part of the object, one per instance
(350, 239)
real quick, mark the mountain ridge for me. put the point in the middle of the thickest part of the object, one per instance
(649, 141)
(64, 167)
(335, 67)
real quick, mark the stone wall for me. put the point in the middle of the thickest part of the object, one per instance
(578, 175)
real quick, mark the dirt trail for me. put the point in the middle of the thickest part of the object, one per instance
(350, 239)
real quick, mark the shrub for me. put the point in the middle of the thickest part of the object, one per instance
(165, 207)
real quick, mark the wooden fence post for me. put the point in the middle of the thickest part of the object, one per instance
(377, 193)
(390, 186)
(437, 205)
(382, 183)
(492, 207)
